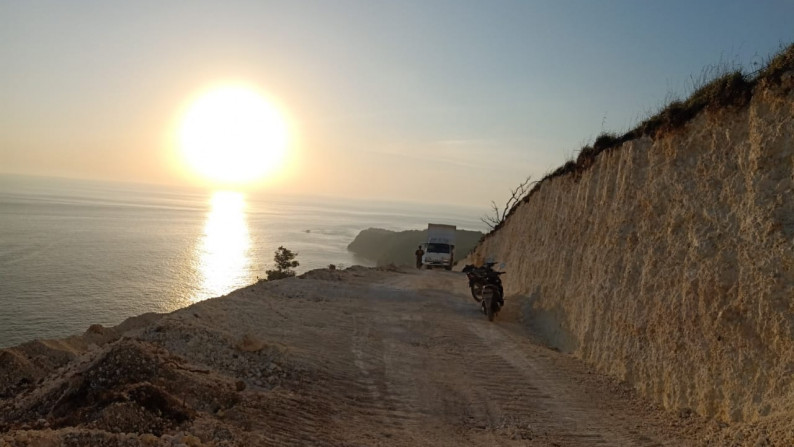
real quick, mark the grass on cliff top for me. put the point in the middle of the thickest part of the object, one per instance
(726, 89)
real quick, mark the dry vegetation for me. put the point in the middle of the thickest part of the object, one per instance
(730, 88)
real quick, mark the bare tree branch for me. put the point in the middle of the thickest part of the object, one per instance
(499, 215)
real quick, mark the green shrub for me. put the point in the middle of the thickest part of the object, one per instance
(285, 263)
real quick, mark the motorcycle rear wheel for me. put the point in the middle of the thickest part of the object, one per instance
(489, 296)
(476, 292)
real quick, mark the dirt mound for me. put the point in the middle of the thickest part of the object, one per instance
(176, 379)
(21, 367)
(131, 386)
(324, 275)
(16, 372)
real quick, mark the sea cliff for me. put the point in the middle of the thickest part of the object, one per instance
(668, 260)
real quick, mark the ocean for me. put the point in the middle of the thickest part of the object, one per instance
(75, 253)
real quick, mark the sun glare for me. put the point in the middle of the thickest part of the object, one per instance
(224, 251)
(233, 135)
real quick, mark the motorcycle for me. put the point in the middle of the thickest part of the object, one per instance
(486, 287)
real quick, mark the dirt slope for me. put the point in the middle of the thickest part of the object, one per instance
(354, 357)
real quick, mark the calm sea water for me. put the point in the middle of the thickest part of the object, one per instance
(75, 253)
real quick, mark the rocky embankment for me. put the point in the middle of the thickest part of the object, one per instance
(668, 261)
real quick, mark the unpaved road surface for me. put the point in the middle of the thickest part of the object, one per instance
(360, 357)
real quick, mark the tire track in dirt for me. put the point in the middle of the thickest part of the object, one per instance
(388, 369)
(517, 386)
(407, 362)
(295, 420)
(573, 420)
(362, 385)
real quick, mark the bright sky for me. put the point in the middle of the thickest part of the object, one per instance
(451, 101)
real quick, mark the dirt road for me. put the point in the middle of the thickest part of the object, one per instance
(356, 357)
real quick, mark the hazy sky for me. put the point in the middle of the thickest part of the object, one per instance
(434, 101)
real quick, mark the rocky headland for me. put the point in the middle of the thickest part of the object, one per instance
(387, 247)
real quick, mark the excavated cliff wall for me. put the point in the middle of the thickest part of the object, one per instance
(669, 262)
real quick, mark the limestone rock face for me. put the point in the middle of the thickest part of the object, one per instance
(670, 262)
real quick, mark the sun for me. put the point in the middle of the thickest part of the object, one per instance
(233, 135)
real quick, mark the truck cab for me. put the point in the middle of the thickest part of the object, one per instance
(440, 247)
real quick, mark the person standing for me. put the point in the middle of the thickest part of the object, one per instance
(419, 252)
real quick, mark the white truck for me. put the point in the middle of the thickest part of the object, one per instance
(440, 246)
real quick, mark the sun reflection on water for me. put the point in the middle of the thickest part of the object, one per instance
(225, 247)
